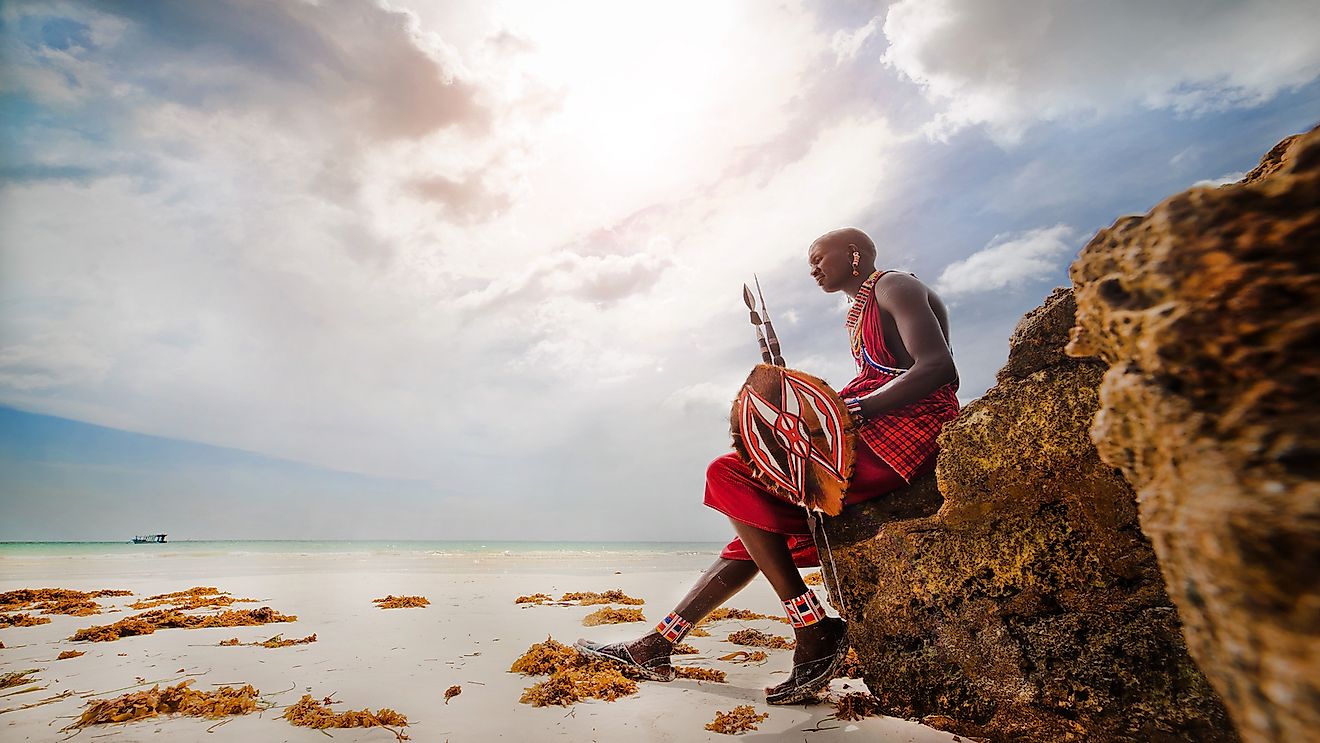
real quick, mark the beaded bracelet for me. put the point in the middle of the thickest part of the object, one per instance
(854, 406)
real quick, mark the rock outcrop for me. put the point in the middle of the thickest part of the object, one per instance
(1208, 311)
(1017, 599)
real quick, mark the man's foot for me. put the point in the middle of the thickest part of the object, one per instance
(821, 649)
(647, 657)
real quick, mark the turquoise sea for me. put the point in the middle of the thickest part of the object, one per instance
(437, 548)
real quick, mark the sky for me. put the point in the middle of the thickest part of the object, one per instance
(436, 269)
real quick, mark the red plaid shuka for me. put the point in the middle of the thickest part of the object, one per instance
(903, 438)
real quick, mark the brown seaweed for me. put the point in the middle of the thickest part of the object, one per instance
(738, 720)
(148, 622)
(813, 579)
(698, 631)
(278, 641)
(683, 648)
(855, 706)
(22, 620)
(189, 603)
(310, 713)
(71, 607)
(612, 596)
(536, 598)
(14, 678)
(755, 638)
(610, 615)
(743, 656)
(67, 654)
(723, 613)
(27, 599)
(452, 692)
(851, 668)
(569, 685)
(701, 674)
(402, 602)
(544, 658)
(231, 642)
(178, 699)
(572, 676)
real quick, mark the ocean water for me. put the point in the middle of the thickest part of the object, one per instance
(199, 560)
(354, 548)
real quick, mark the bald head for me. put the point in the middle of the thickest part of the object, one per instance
(842, 260)
(849, 238)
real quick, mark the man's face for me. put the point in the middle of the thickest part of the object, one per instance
(831, 265)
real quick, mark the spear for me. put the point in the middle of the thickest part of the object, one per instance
(769, 328)
(756, 322)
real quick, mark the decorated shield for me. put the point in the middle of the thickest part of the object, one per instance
(795, 434)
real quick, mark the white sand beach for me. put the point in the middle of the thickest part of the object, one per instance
(402, 659)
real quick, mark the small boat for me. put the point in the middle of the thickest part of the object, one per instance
(149, 539)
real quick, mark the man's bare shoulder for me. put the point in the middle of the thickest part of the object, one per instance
(900, 282)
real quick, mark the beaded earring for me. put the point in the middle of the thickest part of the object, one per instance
(856, 257)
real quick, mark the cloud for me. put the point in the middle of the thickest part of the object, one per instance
(48, 363)
(1222, 180)
(1008, 260)
(1010, 65)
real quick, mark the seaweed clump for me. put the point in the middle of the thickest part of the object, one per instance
(544, 658)
(178, 699)
(701, 674)
(310, 713)
(55, 600)
(850, 668)
(683, 648)
(813, 579)
(610, 615)
(197, 597)
(536, 598)
(754, 638)
(569, 685)
(22, 620)
(14, 678)
(278, 641)
(148, 622)
(738, 720)
(67, 654)
(612, 596)
(723, 613)
(452, 692)
(855, 706)
(743, 656)
(402, 602)
(572, 676)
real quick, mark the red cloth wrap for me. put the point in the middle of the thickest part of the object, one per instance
(733, 491)
(903, 437)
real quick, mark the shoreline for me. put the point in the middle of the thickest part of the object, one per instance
(403, 659)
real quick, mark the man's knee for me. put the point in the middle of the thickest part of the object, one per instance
(722, 469)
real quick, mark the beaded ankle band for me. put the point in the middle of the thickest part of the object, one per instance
(804, 610)
(673, 627)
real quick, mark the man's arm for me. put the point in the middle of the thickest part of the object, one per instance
(906, 300)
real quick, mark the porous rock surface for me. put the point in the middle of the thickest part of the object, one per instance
(1012, 595)
(1208, 311)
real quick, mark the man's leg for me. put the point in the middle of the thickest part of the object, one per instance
(717, 585)
(820, 639)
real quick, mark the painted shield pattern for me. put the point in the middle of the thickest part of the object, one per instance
(795, 434)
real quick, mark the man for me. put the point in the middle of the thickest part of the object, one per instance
(904, 392)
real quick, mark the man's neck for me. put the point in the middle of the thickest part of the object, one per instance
(854, 283)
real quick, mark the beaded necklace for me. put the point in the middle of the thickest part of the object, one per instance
(853, 323)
